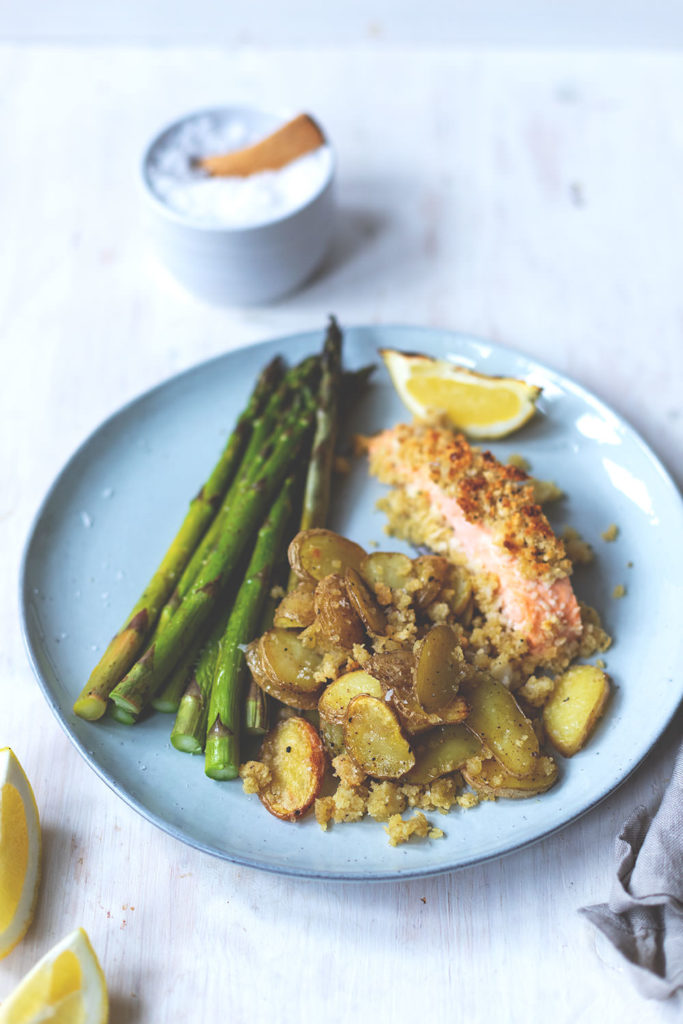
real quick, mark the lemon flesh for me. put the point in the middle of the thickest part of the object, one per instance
(66, 987)
(479, 405)
(20, 844)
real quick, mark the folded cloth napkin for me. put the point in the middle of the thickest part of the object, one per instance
(644, 916)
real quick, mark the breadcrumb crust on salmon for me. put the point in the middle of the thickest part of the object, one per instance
(487, 492)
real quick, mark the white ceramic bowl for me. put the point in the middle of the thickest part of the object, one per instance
(245, 264)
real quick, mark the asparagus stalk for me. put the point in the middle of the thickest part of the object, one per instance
(318, 480)
(168, 700)
(149, 673)
(189, 730)
(253, 459)
(224, 719)
(256, 704)
(129, 641)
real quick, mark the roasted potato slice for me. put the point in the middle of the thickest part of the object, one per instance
(288, 661)
(439, 670)
(336, 697)
(332, 736)
(389, 568)
(269, 684)
(442, 750)
(458, 586)
(374, 740)
(396, 672)
(371, 615)
(497, 719)
(314, 554)
(296, 610)
(294, 754)
(574, 707)
(432, 572)
(337, 621)
(495, 781)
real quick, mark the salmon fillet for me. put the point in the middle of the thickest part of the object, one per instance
(463, 503)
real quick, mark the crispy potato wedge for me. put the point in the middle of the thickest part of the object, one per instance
(442, 750)
(288, 661)
(374, 740)
(390, 568)
(396, 672)
(274, 687)
(439, 669)
(574, 707)
(370, 613)
(497, 719)
(296, 610)
(432, 572)
(336, 697)
(337, 621)
(495, 781)
(294, 753)
(314, 554)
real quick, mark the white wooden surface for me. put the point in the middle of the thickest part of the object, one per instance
(531, 199)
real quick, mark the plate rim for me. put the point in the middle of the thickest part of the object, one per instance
(302, 338)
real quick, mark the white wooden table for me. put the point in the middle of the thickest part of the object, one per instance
(531, 199)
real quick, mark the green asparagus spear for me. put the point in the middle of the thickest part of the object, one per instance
(225, 711)
(257, 451)
(149, 673)
(189, 730)
(129, 641)
(317, 492)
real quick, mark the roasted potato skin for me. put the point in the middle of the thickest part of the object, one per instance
(443, 750)
(374, 740)
(494, 781)
(275, 687)
(337, 621)
(497, 720)
(574, 707)
(396, 672)
(294, 753)
(296, 610)
(336, 697)
(314, 554)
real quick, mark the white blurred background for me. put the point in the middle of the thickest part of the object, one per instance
(533, 23)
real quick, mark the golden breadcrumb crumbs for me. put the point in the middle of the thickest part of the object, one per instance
(536, 690)
(468, 800)
(601, 664)
(619, 591)
(342, 465)
(347, 770)
(519, 462)
(400, 830)
(277, 592)
(255, 776)
(546, 491)
(579, 550)
(611, 533)
(385, 800)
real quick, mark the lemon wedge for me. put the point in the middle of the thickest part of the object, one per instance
(19, 852)
(480, 406)
(66, 987)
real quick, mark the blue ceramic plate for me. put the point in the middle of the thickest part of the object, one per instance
(119, 500)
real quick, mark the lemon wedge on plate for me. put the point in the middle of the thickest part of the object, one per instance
(19, 852)
(480, 406)
(66, 987)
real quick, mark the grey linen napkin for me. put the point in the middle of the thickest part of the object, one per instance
(643, 918)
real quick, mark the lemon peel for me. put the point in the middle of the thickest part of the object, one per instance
(67, 986)
(480, 406)
(20, 847)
